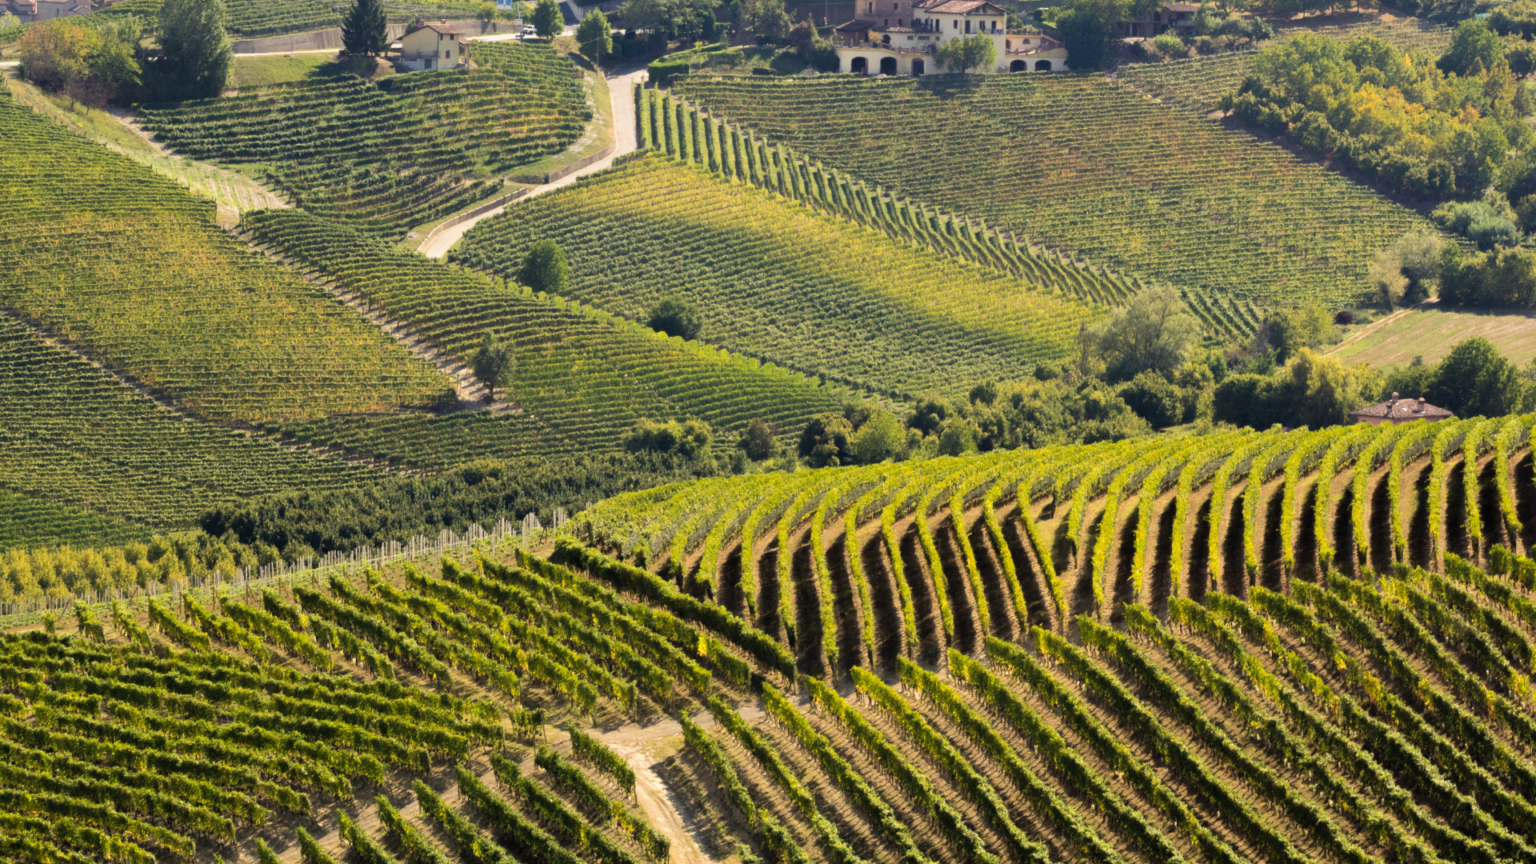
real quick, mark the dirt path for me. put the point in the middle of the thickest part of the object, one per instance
(641, 748)
(621, 96)
(1374, 326)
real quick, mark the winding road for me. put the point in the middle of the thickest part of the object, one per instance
(621, 86)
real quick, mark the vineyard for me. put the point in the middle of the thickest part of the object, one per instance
(584, 375)
(105, 253)
(1197, 83)
(389, 156)
(1087, 166)
(691, 136)
(77, 440)
(781, 282)
(1330, 663)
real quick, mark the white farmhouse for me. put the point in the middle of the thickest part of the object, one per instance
(900, 37)
(433, 46)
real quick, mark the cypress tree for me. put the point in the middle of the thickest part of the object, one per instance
(365, 32)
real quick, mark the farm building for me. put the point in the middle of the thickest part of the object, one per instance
(872, 45)
(45, 10)
(1175, 18)
(433, 46)
(1397, 410)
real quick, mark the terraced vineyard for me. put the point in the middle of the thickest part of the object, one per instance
(584, 375)
(390, 156)
(1197, 83)
(256, 18)
(76, 439)
(781, 282)
(690, 136)
(129, 266)
(1241, 684)
(1083, 164)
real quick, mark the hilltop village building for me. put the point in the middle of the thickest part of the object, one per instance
(433, 46)
(900, 37)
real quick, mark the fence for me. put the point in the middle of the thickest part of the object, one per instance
(526, 533)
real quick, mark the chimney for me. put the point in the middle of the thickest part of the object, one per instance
(1420, 409)
(1393, 400)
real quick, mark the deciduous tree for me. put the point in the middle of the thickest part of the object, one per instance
(967, 54)
(494, 363)
(594, 36)
(547, 21)
(195, 56)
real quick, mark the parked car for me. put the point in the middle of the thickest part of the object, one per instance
(528, 33)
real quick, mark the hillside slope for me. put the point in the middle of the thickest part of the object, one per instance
(782, 282)
(1086, 165)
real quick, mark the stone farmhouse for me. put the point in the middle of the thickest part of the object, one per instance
(45, 10)
(1175, 18)
(433, 46)
(900, 37)
(1397, 410)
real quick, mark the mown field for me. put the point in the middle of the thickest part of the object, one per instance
(783, 283)
(1430, 332)
(389, 155)
(1088, 166)
(1297, 646)
(128, 265)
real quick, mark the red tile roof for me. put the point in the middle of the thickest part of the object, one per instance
(441, 27)
(1402, 409)
(961, 7)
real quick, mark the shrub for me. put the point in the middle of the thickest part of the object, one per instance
(880, 438)
(1344, 317)
(1155, 399)
(688, 439)
(676, 316)
(758, 442)
(827, 440)
(1168, 44)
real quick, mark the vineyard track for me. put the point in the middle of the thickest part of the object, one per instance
(620, 94)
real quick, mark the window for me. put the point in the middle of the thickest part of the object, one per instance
(871, 5)
(898, 24)
(967, 26)
(955, 22)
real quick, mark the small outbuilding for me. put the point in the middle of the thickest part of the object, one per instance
(1397, 410)
(433, 46)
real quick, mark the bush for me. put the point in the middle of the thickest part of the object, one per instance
(758, 442)
(827, 441)
(676, 316)
(880, 438)
(1168, 44)
(688, 439)
(1344, 318)
(1155, 399)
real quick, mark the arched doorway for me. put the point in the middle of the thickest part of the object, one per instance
(859, 66)
(918, 68)
(1019, 66)
(1042, 65)
(887, 65)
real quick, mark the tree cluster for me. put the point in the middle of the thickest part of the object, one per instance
(689, 439)
(1473, 380)
(1421, 128)
(677, 20)
(1312, 390)
(400, 508)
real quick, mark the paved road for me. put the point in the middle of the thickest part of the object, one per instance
(621, 91)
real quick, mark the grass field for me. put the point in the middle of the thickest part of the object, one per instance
(1431, 332)
(1082, 164)
(259, 71)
